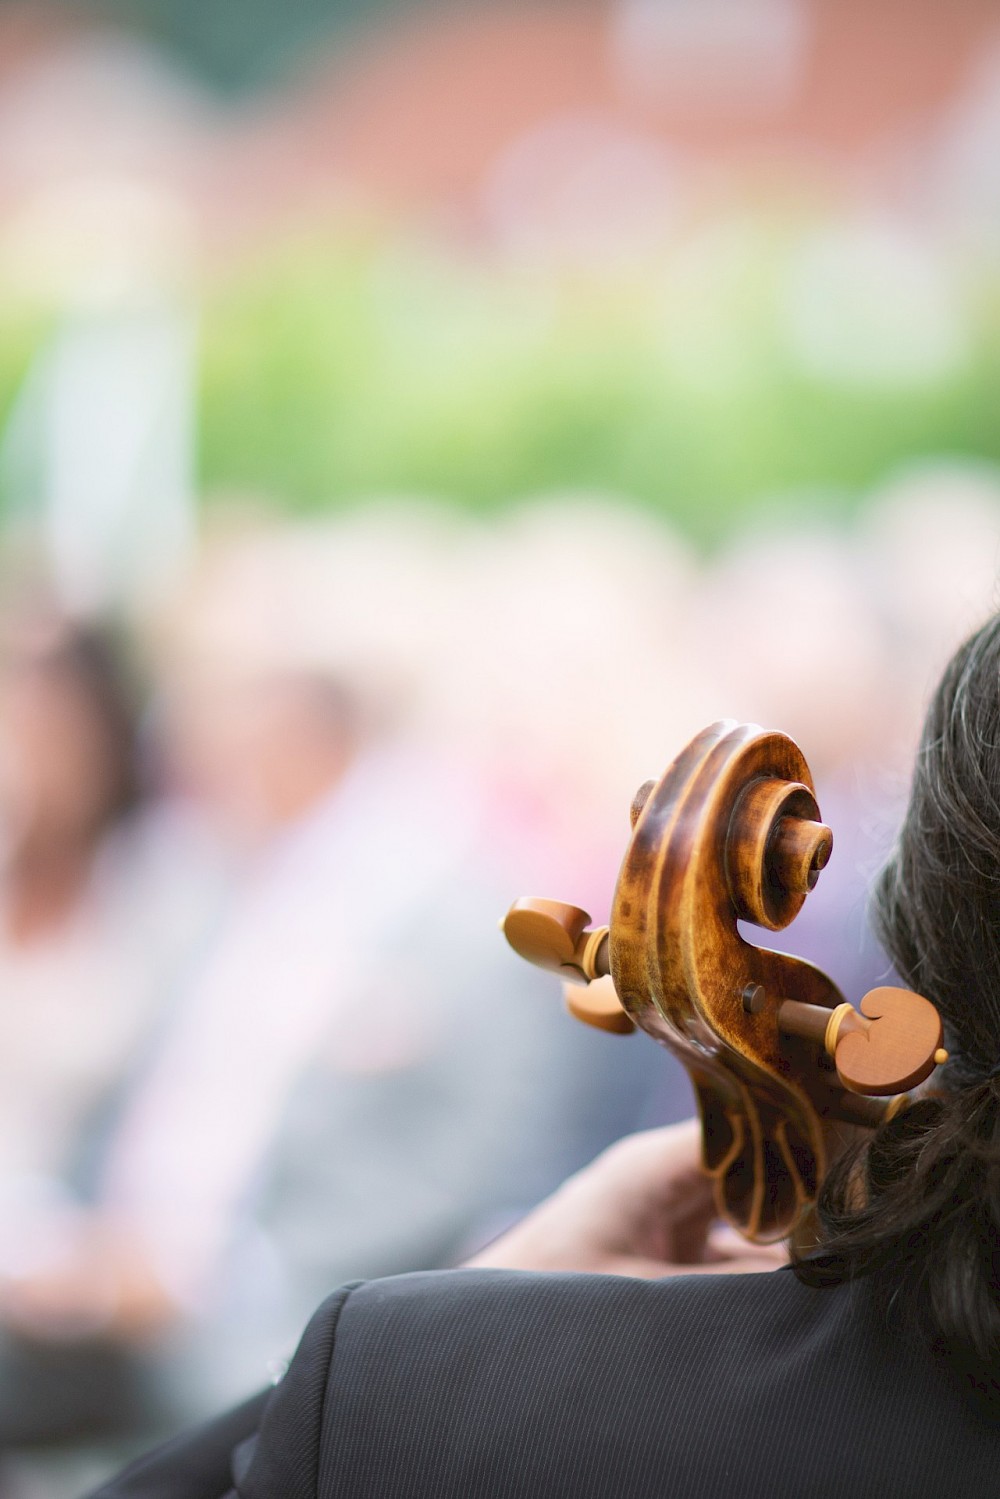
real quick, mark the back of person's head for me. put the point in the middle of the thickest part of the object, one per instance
(920, 1207)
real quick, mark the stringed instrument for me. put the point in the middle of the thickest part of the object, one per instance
(779, 1060)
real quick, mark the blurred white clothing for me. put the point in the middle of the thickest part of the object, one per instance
(78, 1005)
(298, 946)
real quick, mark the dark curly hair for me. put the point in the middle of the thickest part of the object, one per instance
(918, 1207)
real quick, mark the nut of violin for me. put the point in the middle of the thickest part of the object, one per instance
(545, 932)
(598, 1005)
(892, 1045)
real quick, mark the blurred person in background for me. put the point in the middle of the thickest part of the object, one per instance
(356, 1075)
(198, 1140)
(95, 907)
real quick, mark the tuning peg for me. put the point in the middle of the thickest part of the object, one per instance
(598, 1005)
(639, 801)
(558, 937)
(800, 850)
(891, 1043)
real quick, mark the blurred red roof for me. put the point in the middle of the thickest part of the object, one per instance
(414, 112)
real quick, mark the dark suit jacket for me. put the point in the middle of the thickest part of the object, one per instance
(468, 1384)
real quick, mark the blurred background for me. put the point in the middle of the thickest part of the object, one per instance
(416, 421)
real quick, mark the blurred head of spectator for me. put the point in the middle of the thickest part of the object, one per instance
(264, 749)
(68, 768)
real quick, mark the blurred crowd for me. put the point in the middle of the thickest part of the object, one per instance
(258, 1031)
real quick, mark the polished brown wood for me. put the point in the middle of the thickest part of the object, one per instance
(558, 937)
(598, 1005)
(892, 1045)
(729, 834)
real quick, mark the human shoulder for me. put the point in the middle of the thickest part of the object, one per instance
(459, 1382)
(475, 1383)
(474, 1304)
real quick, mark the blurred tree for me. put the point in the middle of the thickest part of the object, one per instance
(333, 370)
(240, 44)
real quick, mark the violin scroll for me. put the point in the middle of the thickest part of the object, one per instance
(731, 834)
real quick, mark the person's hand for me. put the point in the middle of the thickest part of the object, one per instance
(644, 1208)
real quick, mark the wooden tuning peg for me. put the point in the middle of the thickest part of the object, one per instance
(800, 850)
(598, 1005)
(891, 1043)
(558, 937)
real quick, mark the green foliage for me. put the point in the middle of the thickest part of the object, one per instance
(334, 371)
(339, 369)
(23, 330)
